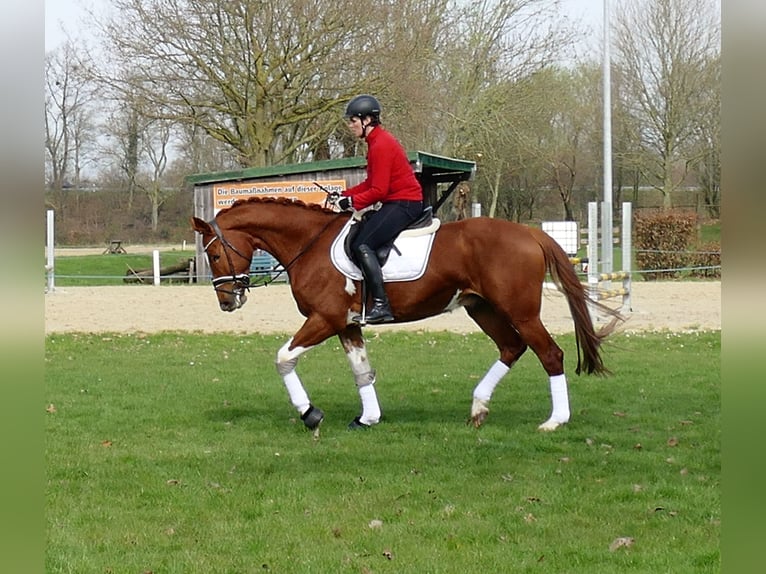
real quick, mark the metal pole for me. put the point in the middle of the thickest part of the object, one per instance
(606, 215)
(50, 265)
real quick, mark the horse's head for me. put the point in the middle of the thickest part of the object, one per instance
(229, 258)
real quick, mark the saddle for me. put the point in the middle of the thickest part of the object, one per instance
(404, 259)
(425, 220)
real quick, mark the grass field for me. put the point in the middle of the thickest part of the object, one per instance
(179, 453)
(109, 269)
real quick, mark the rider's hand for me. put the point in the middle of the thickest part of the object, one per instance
(333, 197)
(345, 204)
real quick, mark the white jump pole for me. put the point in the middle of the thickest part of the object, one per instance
(49, 266)
(627, 253)
(156, 266)
(593, 255)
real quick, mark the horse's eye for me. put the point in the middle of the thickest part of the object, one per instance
(214, 258)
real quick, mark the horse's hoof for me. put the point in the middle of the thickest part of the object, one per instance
(479, 412)
(478, 420)
(357, 424)
(312, 417)
(550, 425)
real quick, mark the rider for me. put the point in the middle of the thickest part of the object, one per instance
(390, 181)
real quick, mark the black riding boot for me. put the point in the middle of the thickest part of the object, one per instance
(381, 310)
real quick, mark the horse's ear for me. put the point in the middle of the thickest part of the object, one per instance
(200, 226)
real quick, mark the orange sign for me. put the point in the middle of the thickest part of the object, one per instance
(224, 194)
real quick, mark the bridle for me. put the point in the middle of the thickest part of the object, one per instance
(241, 281)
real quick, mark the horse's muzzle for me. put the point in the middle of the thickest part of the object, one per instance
(233, 302)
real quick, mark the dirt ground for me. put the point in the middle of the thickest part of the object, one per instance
(673, 306)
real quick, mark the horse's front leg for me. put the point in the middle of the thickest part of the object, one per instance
(313, 332)
(353, 344)
(287, 359)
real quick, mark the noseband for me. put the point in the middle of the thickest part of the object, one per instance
(241, 280)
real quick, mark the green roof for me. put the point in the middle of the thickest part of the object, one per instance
(459, 169)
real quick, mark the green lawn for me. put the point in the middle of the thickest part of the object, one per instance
(180, 453)
(109, 269)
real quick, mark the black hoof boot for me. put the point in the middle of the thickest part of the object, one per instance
(357, 424)
(312, 417)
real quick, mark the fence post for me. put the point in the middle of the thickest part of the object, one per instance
(156, 266)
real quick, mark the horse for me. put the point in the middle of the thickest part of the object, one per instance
(493, 268)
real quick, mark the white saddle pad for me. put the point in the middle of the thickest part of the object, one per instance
(413, 244)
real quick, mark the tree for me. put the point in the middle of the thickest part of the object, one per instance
(140, 141)
(663, 47)
(122, 130)
(69, 124)
(705, 147)
(484, 96)
(569, 108)
(198, 152)
(157, 135)
(268, 79)
(627, 147)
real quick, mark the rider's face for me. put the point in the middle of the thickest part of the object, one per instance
(356, 126)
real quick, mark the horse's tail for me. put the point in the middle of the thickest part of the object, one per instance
(587, 339)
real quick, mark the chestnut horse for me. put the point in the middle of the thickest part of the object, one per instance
(492, 267)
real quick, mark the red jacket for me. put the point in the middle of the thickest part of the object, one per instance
(390, 176)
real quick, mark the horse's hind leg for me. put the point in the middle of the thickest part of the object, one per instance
(511, 347)
(552, 358)
(353, 344)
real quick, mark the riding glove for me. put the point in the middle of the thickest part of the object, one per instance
(345, 204)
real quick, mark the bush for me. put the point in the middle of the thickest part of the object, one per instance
(662, 242)
(707, 261)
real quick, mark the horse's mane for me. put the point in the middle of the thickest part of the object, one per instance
(279, 201)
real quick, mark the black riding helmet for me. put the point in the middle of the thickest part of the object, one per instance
(361, 106)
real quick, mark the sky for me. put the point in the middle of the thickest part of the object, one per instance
(69, 14)
(58, 13)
